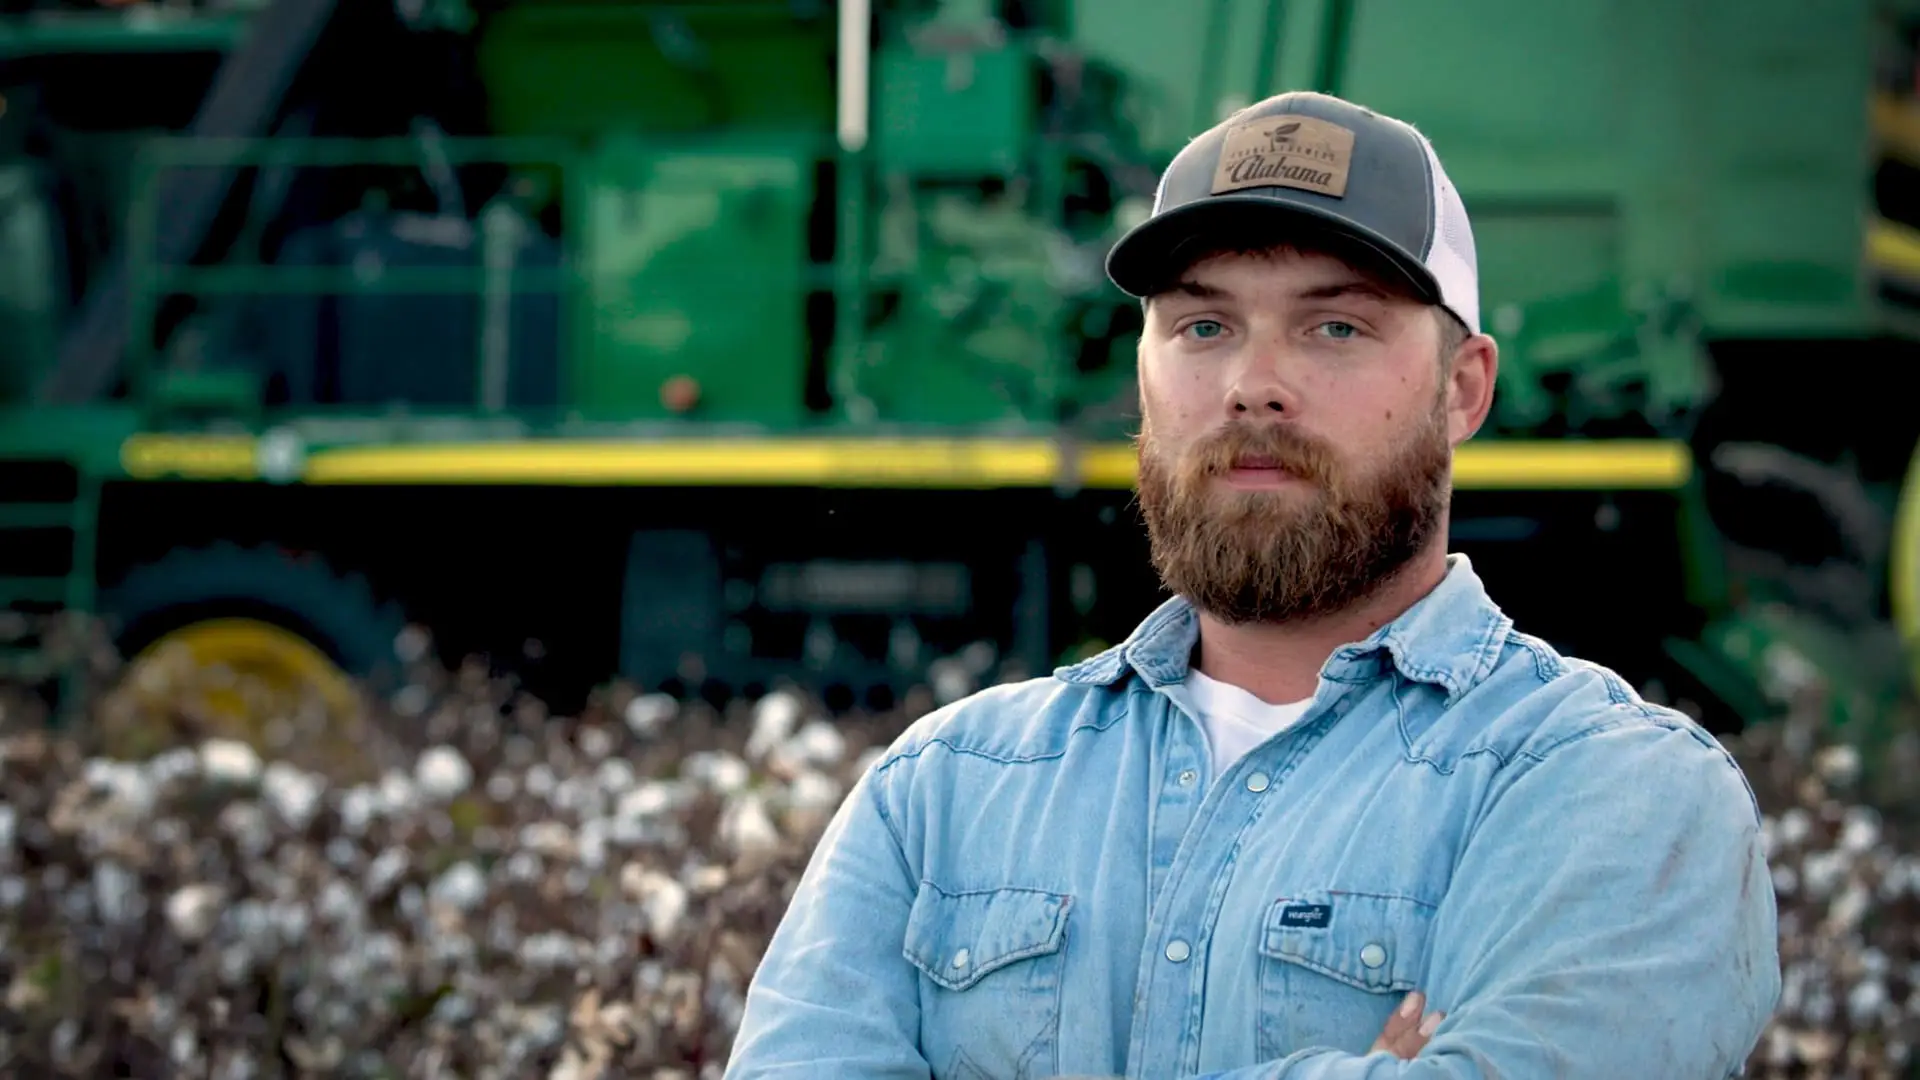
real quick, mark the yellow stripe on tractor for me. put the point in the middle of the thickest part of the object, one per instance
(854, 462)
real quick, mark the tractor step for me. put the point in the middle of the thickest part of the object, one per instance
(15, 591)
(22, 516)
(42, 575)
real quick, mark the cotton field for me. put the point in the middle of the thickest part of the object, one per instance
(457, 884)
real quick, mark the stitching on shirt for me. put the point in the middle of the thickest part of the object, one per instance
(1117, 715)
(1447, 770)
(1610, 723)
(929, 883)
(1487, 656)
(886, 819)
(1446, 677)
(1546, 665)
(1347, 977)
(1413, 758)
(1549, 667)
(1623, 694)
(1659, 718)
(1384, 896)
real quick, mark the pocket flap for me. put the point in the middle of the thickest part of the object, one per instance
(1367, 940)
(959, 938)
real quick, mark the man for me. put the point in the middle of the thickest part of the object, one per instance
(1327, 814)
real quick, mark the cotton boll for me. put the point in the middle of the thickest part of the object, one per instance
(615, 776)
(1795, 825)
(1785, 880)
(461, 886)
(663, 899)
(228, 761)
(1838, 765)
(821, 745)
(1865, 1002)
(294, 796)
(398, 796)
(595, 743)
(1861, 830)
(813, 791)
(774, 718)
(442, 774)
(193, 910)
(720, 771)
(747, 829)
(1823, 871)
(649, 714)
(358, 807)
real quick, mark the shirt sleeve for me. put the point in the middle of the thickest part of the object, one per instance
(833, 996)
(1613, 915)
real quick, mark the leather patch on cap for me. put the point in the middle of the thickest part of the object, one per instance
(1302, 152)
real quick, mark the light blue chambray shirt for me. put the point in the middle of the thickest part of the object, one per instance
(1043, 879)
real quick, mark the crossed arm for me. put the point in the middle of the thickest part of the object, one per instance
(1614, 916)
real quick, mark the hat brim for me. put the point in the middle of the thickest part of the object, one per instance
(1151, 257)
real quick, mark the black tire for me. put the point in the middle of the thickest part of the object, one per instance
(338, 613)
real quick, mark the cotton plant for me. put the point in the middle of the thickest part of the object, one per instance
(488, 890)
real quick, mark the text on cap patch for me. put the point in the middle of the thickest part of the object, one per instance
(1293, 151)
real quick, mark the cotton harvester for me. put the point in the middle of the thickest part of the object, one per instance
(715, 343)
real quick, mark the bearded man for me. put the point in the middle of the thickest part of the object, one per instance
(1327, 814)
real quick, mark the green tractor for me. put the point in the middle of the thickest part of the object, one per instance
(711, 345)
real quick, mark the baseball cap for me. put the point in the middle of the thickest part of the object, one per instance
(1309, 166)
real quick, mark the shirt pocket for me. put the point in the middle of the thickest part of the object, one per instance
(1334, 964)
(991, 964)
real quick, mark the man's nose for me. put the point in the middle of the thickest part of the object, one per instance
(1259, 393)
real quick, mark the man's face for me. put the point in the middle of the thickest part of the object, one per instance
(1296, 440)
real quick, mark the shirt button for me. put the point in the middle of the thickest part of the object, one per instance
(1187, 777)
(1257, 782)
(1373, 956)
(960, 958)
(1178, 952)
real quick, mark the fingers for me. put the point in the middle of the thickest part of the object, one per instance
(1406, 1032)
(1404, 1020)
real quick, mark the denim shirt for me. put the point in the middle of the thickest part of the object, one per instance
(1043, 880)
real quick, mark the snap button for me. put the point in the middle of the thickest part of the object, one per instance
(1257, 782)
(1187, 777)
(1177, 951)
(960, 958)
(1373, 956)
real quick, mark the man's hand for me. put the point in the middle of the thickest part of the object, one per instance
(1406, 1032)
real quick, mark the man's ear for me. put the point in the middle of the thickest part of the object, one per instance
(1471, 378)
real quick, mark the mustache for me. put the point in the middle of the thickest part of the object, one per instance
(1272, 445)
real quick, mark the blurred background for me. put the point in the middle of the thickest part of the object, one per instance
(478, 477)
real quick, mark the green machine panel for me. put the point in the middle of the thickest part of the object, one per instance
(696, 264)
(586, 67)
(952, 110)
(1725, 134)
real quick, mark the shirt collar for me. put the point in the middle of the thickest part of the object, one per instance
(1450, 638)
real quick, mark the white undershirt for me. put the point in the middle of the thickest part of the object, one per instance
(1235, 720)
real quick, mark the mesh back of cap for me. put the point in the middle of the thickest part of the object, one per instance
(1451, 257)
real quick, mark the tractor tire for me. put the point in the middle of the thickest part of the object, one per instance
(336, 613)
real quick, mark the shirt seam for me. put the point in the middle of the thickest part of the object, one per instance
(953, 747)
(1654, 718)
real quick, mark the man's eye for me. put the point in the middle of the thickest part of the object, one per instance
(1205, 329)
(1339, 330)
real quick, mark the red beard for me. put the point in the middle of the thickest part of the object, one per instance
(1301, 553)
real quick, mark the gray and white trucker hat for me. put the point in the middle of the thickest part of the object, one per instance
(1317, 167)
